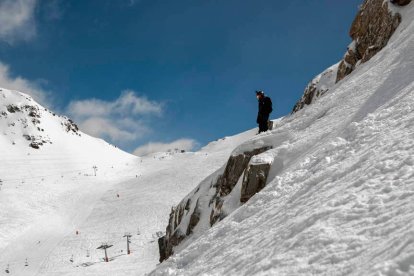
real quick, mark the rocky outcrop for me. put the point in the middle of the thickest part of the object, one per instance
(194, 219)
(70, 126)
(401, 2)
(28, 117)
(207, 201)
(234, 169)
(254, 180)
(162, 245)
(173, 236)
(371, 30)
(317, 87)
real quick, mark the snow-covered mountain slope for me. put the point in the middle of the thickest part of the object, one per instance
(339, 194)
(46, 176)
(55, 212)
(139, 204)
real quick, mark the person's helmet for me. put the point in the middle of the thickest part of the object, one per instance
(259, 92)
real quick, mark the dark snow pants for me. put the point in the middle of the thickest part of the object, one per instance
(262, 121)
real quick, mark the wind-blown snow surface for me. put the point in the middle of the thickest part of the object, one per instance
(342, 200)
(49, 194)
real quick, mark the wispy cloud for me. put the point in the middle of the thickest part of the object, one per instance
(121, 120)
(21, 84)
(180, 144)
(17, 20)
(113, 129)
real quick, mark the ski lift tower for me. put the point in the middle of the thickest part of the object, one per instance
(128, 236)
(105, 246)
(95, 168)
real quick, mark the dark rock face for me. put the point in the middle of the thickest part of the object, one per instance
(254, 180)
(401, 2)
(173, 237)
(36, 145)
(234, 169)
(162, 246)
(194, 219)
(13, 108)
(216, 214)
(70, 126)
(317, 87)
(306, 98)
(371, 30)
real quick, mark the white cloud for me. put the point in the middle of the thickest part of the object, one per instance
(128, 103)
(21, 84)
(109, 128)
(119, 121)
(89, 108)
(17, 20)
(181, 144)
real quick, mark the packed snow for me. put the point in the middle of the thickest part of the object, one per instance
(341, 198)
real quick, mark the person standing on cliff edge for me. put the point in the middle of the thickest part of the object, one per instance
(265, 108)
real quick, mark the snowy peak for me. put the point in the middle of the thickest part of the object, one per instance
(24, 121)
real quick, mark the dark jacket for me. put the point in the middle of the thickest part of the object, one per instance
(265, 108)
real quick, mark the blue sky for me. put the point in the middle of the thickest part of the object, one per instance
(158, 71)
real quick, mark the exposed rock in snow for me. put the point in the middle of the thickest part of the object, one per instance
(211, 195)
(22, 117)
(370, 31)
(373, 26)
(401, 2)
(254, 180)
(235, 167)
(317, 87)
